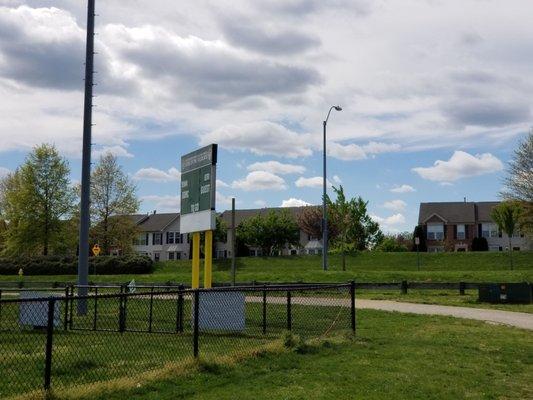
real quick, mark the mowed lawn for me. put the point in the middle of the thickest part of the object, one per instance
(363, 267)
(395, 356)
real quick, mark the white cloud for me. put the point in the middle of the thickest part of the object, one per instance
(395, 205)
(460, 165)
(260, 180)
(221, 184)
(4, 171)
(390, 223)
(118, 151)
(164, 203)
(157, 175)
(223, 200)
(277, 168)
(314, 182)
(337, 179)
(403, 189)
(293, 202)
(262, 138)
(346, 152)
(260, 203)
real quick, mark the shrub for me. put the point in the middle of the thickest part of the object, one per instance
(390, 244)
(57, 265)
(480, 244)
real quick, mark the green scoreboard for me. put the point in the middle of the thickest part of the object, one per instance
(198, 191)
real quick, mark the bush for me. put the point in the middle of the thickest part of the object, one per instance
(390, 244)
(58, 265)
(480, 244)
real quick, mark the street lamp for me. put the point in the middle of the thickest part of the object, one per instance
(324, 214)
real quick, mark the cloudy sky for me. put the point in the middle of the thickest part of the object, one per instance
(436, 94)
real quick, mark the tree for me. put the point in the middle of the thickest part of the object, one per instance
(355, 229)
(480, 244)
(519, 182)
(506, 215)
(271, 232)
(112, 198)
(310, 221)
(421, 235)
(395, 243)
(37, 201)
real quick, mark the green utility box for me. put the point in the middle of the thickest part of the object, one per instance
(506, 293)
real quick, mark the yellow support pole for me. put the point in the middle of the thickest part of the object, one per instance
(208, 261)
(195, 260)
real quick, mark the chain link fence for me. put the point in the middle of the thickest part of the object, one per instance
(64, 341)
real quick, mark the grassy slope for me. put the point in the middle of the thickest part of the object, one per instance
(394, 357)
(364, 267)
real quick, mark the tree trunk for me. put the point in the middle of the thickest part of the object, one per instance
(343, 260)
(510, 252)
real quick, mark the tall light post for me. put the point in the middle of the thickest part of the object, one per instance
(83, 258)
(324, 213)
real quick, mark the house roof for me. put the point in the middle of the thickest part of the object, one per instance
(156, 222)
(484, 210)
(451, 212)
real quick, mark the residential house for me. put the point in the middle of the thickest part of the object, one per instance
(160, 237)
(451, 226)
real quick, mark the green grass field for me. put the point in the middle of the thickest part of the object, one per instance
(86, 357)
(395, 356)
(363, 267)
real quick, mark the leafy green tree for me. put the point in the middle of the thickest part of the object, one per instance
(37, 201)
(506, 215)
(310, 221)
(519, 182)
(355, 229)
(270, 233)
(392, 243)
(112, 198)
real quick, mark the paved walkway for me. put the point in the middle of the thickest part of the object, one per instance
(511, 318)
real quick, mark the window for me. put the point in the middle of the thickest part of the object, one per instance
(435, 232)
(489, 230)
(253, 253)
(294, 252)
(461, 232)
(141, 240)
(495, 248)
(516, 248)
(179, 238)
(311, 251)
(435, 249)
(157, 256)
(170, 255)
(170, 237)
(157, 239)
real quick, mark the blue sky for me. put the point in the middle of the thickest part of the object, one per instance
(435, 95)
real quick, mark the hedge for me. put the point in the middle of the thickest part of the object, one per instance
(61, 265)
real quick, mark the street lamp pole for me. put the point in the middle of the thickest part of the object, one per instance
(324, 187)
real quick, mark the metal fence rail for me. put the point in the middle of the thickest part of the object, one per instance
(45, 343)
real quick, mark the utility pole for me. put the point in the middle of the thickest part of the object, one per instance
(83, 259)
(233, 242)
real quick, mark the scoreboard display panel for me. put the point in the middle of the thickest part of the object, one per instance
(198, 178)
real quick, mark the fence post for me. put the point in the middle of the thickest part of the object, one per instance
(95, 317)
(151, 313)
(65, 322)
(462, 288)
(71, 305)
(195, 322)
(289, 315)
(179, 311)
(352, 304)
(122, 310)
(48, 348)
(264, 310)
(404, 287)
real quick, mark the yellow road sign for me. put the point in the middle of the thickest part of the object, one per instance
(96, 250)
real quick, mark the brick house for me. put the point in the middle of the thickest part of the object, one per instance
(451, 226)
